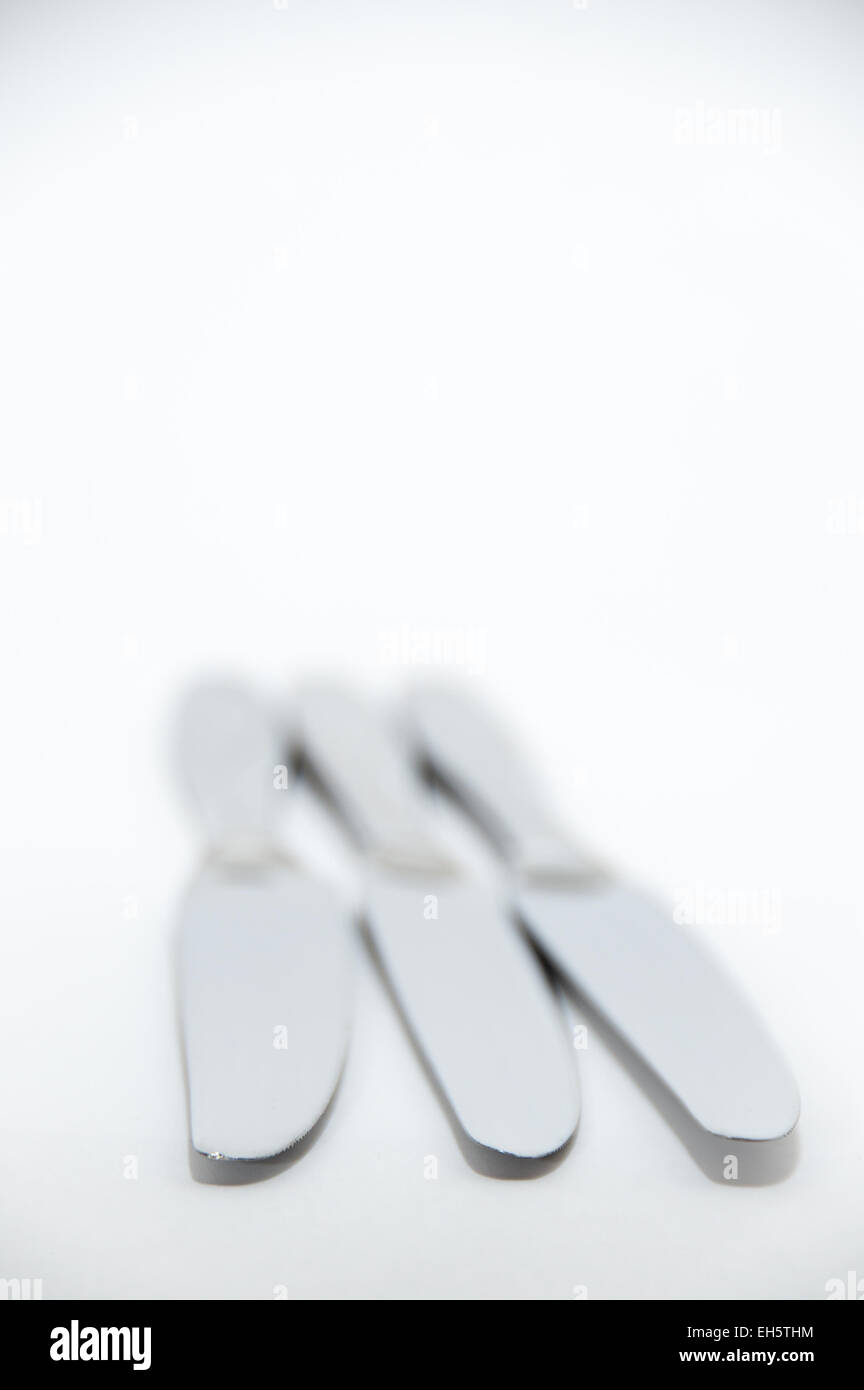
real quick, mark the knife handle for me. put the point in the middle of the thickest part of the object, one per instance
(476, 760)
(228, 753)
(368, 776)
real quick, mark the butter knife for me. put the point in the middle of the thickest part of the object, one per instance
(657, 985)
(264, 959)
(469, 985)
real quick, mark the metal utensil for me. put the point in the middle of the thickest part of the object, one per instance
(264, 953)
(655, 983)
(471, 989)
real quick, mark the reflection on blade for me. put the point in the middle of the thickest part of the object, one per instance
(655, 983)
(480, 1011)
(672, 1002)
(264, 972)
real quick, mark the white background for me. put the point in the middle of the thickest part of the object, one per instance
(332, 330)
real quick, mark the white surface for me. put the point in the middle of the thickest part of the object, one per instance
(360, 339)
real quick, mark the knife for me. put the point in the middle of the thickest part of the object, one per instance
(469, 985)
(658, 987)
(264, 959)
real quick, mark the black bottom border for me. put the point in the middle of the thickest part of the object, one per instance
(222, 1338)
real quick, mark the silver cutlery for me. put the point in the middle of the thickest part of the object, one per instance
(264, 947)
(470, 987)
(652, 979)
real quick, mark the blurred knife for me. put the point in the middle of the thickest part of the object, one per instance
(655, 983)
(471, 988)
(264, 952)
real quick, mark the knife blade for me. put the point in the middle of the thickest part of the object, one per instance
(470, 987)
(660, 989)
(264, 963)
